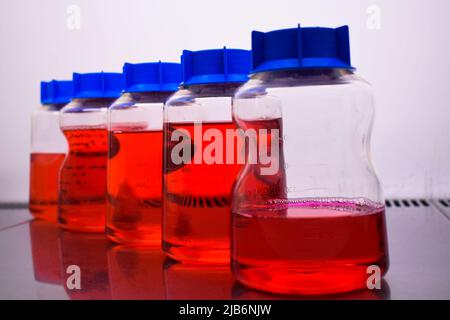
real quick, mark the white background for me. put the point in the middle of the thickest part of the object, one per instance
(407, 60)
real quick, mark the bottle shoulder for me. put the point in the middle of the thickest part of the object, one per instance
(195, 94)
(87, 105)
(49, 108)
(140, 99)
(263, 83)
(46, 111)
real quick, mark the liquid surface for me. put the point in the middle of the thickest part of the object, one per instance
(82, 193)
(196, 220)
(44, 174)
(135, 186)
(315, 246)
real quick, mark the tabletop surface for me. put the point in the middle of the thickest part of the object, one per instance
(34, 256)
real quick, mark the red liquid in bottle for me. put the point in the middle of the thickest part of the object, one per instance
(82, 194)
(317, 246)
(197, 201)
(44, 173)
(301, 246)
(135, 187)
(254, 187)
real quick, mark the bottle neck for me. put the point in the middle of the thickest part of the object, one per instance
(150, 97)
(299, 77)
(93, 102)
(324, 72)
(213, 89)
(53, 107)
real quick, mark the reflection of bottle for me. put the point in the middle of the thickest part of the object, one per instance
(240, 292)
(384, 293)
(316, 227)
(135, 127)
(82, 191)
(136, 273)
(48, 148)
(45, 251)
(197, 282)
(88, 252)
(198, 178)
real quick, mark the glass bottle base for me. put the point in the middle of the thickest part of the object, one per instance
(310, 246)
(150, 237)
(305, 279)
(44, 212)
(212, 252)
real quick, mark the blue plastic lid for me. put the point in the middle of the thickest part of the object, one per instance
(215, 66)
(301, 48)
(152, 76)
(56, 92)
(97, 85)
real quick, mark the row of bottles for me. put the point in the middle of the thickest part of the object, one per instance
(256, 158)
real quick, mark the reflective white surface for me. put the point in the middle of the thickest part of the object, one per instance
(34, 254)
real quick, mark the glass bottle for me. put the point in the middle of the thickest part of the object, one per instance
(82, 188)
(135, 123)
(198, 175)
(308, 210)
(48, 149)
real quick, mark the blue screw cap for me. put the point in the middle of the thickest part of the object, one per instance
(301, 48)
(152, 77)
(215, 66)
(97, 85)
(56, 92)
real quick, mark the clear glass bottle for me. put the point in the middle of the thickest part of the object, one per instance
(308, 210)
(82, 188)
(48, 149)
(198, 180)
(135, 158)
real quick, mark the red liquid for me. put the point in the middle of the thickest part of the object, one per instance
(45, 251)
(309, 247)
(135, 187)
(44, 173)
(255, 186)
(196, 219)
(136, 273)
(82, 194)
(88, 252)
